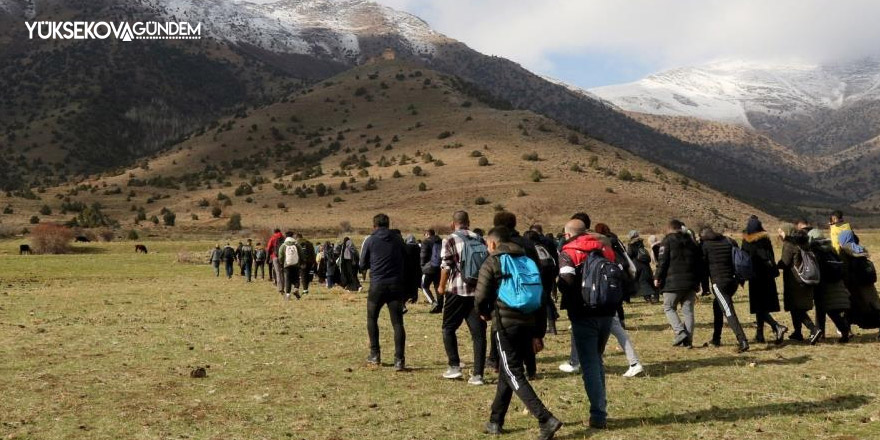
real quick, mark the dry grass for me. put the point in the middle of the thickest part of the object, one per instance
(100, 344)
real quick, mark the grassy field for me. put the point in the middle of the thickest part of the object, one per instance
(100, 344)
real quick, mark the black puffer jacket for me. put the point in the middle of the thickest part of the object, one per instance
(486, 295)
(795, 295)
(680, 265)
(763, 295)
(718, 260)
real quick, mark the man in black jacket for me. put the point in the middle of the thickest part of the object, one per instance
(678, 276)
(718, 260)
(430, 260)
(383, 254)
(516, 333)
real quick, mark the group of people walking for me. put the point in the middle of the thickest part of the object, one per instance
(514, 281)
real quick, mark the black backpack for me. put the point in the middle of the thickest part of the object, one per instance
(830, 265)
(863, 270)
(602, 282)
(308, 256)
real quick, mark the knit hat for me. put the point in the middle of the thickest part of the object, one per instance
(754, 225)
(633, 234)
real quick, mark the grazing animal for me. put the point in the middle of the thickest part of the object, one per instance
(82, 239)
(24, 250)
(139, 248)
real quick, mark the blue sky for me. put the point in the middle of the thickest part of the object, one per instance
(591, 43)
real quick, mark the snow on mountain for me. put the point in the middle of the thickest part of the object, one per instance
(731, 91)
(310, 27)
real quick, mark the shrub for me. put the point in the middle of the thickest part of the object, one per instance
(234, 223)
(531, 157)
(45, 210)
(444, 135)
(397, 174)
(417, 170)
(574, 139)
(35, 220)
(204, 203)
(476, 153)
(481, 201)
(155, 220)
(321, 190)
(338, 199)
(8, 210)
(498, 207)
(521, 193)
(609, 190)
(216, 211)
(133, 235)
(536, 176)
(483, 162)
(576, 168)
(107, 234)
(371, 184)
(423, 187)
(281, 205)
(194, 216)
(439, 163)
(169, 217)
(345, 227)
(51, 238)
(625, 175)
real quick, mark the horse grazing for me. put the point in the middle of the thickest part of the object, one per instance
(139, 248)
(82, 239)
(24, 250)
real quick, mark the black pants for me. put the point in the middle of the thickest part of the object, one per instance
(722, 309)
(529, 358)
(460, 309)
(513, 345)
(260, 268)
(838, 317)
(429, 280)
(291, 278)
(391, 295)
(799, 319)
(306, 275)
(271, 271)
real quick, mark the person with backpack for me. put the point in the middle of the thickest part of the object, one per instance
(800, 274)
(763, 296)
(246, 259)
(719, 263)
(584, 255)
(510, 293)
(860, 277)
(412, 269)
(307, 262)
(276, 271)
(260, 261)
(831, 295)
(238, 258)
(432, 247)
(229, 259)
(215, 258)
(548, 265)
(462, 255)
(679, 276)
(330, 257)
(384, 255)
(289, 256)
(641, 257)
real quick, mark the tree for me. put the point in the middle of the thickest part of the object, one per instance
(397, 174)
(234, 223)
(216, 211)
(169, 217)
(417, 170)
(423, 186)
(35, 220)
(625, 175)
(45, 210)
(321, 189)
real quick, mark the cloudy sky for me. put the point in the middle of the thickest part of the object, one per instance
(598, 42)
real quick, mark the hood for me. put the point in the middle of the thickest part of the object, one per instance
(584, 243)
(710, 235)
(847, 239)
(410, 239)
(751, 238)
(815, 234)
(289, 240)
(797, 237)
(509, 248)
(383, 234)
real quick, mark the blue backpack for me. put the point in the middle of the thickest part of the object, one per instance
(521, 287)
(742, 262)
(602, 282)
(436, 250)
(473, 254)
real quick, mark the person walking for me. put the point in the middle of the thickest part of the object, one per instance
(384, 255)
(216, 258)
(720, 270)
(763, 296)
(860, 278)
(590, 327)
(517, 331)
(412, 270)
(276, 272)
(331, 258)
(678, 276)
(290, 256)
(347, 260)
(307, 262)
(641, 257)
(797, 296)
(260, 258)
(246, 259)
(239, 259)
(461, 257)
(831, 295)
(432, 247)
(229, 259)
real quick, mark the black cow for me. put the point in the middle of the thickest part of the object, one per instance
(82, 239)
(139, 248)
(24, 250)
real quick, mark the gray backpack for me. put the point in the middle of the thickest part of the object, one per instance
(806, 268)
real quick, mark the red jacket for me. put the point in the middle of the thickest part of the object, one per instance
(573, 254)
(273, 244)
(579, 247)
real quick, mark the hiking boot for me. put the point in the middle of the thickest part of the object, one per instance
(452, 373)
(399, 365)
(598, 425)
(549, 428)
(715, 342)
(634, 370)
(843, 339)
(476, 380)
(759, 338)
(567, 367)
(742, 347)
(799, 337)
(680, 339)
(781, 330)
(815, 335)
(374, 359)
(493, 428)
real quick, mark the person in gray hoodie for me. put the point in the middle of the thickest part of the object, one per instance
(216, 257)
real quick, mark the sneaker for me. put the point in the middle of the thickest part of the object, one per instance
(715, 342)
(742, 347)
(598, 425)
(814, 336)
(634, 370)
(549, 428)
(374, 359)
(569, 368)
(296, 294)
(399, 365)
(287, 297)
(493, 429)
(476, 380)
(452, 373)
(796, 337)
(306, 292)
(681, 339)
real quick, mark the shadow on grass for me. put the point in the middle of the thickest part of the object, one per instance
(666, 368)
(661, 327)
(844, 402)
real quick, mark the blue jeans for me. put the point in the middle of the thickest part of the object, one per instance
(229, 269)
(590, 336)
(246, 268)
(216, 268)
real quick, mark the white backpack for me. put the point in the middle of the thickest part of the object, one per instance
(291, 255)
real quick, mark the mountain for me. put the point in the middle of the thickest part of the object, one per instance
(815, 109)
(73, 108)
(364, 141)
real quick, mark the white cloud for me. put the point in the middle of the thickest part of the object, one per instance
(664, 33)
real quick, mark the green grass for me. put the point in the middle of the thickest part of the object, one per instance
(100, 344)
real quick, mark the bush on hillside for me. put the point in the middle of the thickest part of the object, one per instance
(51, 238)
(234, 223)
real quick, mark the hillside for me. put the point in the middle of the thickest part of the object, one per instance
(363, 126)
